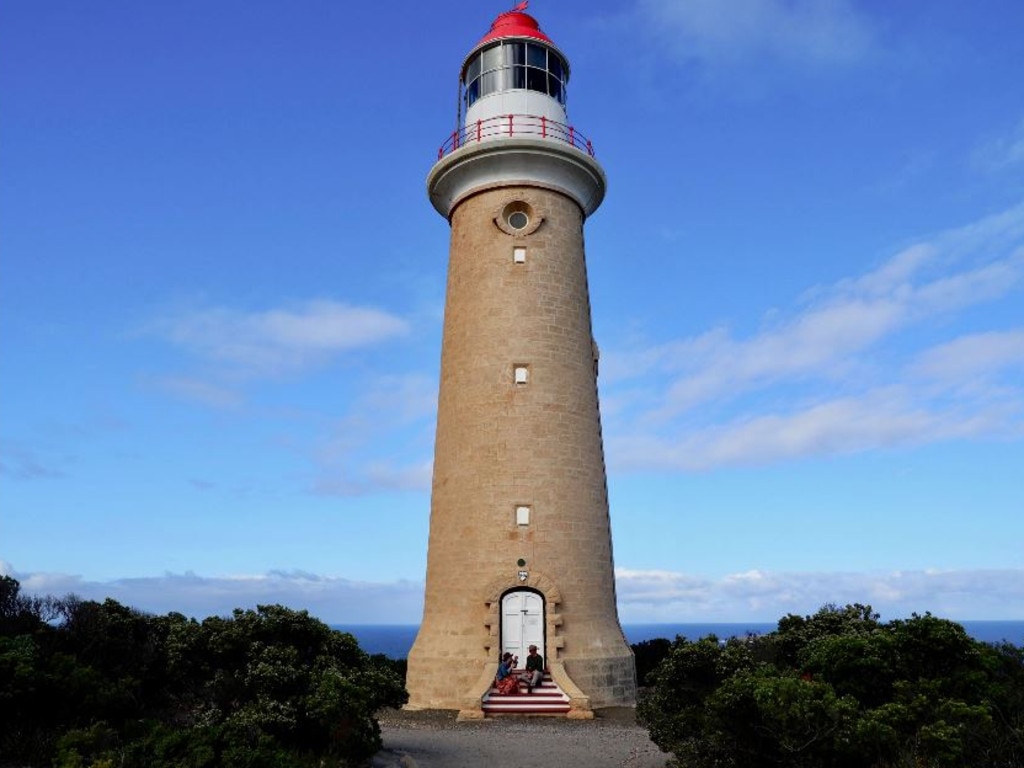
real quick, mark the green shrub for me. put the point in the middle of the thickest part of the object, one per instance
(839, 689)
(109, 686)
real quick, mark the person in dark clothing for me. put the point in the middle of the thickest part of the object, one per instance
(534, 669)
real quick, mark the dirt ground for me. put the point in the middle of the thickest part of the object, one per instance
(433, 739)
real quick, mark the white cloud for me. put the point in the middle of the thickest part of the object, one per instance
(199, 391)
(237, 348)
(876, 419)
(398, 413)
(23, 462)
(402, 399)
(278, 341)
(334, 600)
(973, 356)
(811, 32)
(342, 479)
(1001, 153)
(651, 596)
(841, 372)
(644, 596)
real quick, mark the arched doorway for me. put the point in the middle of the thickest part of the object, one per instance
(522, 622)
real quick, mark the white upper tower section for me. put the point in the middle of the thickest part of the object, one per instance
(515, 128)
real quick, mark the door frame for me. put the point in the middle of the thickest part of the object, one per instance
(542, 642)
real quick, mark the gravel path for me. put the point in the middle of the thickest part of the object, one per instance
(435, 740)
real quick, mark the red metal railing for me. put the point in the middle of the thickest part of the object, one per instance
(536, 126)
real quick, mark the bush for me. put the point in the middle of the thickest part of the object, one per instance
(839, 689)
(112, 686)
(648, 654)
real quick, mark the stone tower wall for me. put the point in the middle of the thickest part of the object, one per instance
(500, 445)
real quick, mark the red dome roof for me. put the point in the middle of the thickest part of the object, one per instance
(514, 24)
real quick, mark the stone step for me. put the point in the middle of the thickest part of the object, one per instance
(546, 699)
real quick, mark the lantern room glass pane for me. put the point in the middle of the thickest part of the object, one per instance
(555, 88)
(491, 58)
(491, 82)
(536, 56)
(515, 53)
(473, 70)
(555, 67)
(472, 92)
(536, 80)
(501, 67)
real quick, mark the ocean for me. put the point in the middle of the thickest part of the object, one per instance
(395, 640)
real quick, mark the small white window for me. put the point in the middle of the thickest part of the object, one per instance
(522, 374)
(519, 255)
(522, 515)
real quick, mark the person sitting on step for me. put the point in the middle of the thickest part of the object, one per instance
(506, 681)
(534, 669)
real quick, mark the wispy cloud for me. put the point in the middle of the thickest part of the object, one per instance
(199, 390)
(23, 462)
(280, 340)
(332, 599)
(975, 356)
(399, 414)
(339, 478)
(231, 353)
(804, 32)
(757, 595)
(841, 372)
(643, 595)
(1001, 153)
(877, 419)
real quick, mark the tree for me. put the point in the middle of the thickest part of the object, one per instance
(840, 689)
(648, 654)
(109, 685)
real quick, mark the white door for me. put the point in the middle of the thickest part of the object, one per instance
(522, 623)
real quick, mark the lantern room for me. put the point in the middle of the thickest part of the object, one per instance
(512, 124)
(514, 70)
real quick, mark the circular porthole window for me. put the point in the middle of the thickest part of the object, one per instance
(517, 215)
(518, 220)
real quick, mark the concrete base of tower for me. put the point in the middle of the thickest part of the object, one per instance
(589, 683)
(608, 681)
(447, 682)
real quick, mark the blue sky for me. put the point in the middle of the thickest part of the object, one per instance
(222, 285)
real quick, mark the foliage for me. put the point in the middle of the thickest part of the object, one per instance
(839, 689)
(648, 654)
(90, 685)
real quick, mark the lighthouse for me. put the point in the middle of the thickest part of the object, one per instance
(520, 549)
